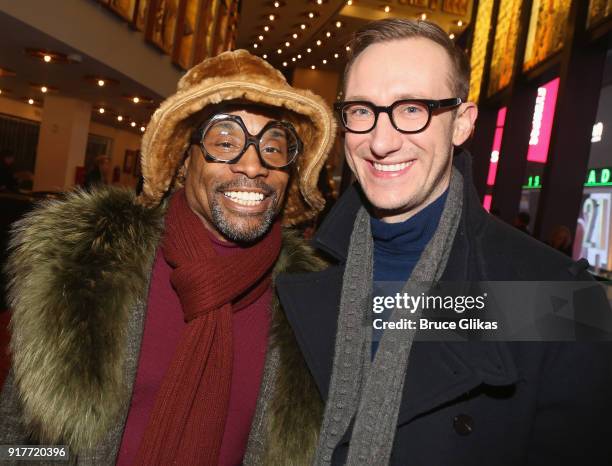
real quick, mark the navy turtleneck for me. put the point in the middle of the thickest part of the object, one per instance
(398, 248)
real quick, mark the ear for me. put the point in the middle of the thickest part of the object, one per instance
(463, 126)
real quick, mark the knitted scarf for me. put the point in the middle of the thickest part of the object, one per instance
(371, 391)
(187, 422)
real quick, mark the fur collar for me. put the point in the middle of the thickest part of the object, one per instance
(77, 268)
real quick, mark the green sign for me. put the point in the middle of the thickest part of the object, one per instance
(595, 177)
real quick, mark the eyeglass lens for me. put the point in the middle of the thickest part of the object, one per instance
(225, 140)
(407, 116)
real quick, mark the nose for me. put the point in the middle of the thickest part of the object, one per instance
(249, 164)
(385, 139)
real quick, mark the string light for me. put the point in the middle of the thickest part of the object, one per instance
(119, 118)
(336, 55)
(271, 17)
(264, 56)
(287, 44)
(313, 67)
(311, 15)
(302, 26)
(284, 63)
(276, 4)
(135, 100)
(255, 46)
(261, 37)
(44, 89)
(387, 9)
(279, 51)
(423, 16)
(101, 82)
(47, 58)
(133, 124)
(101, 110)
(309, 50)
(451, 35)
(328, 34)
(459, 23)
(325, 62)
(299, 57)
(349, 3)
(295, 36)
(31, 101)
(293, 59)
(338, 24)
(142, 129)
(319, 2)
(266, 28)
(348, 49)
(319, 42)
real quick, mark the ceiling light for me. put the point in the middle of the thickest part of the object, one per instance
(264, 56)
(325, 62)
(47, 58)
(101, 82)
(266, 28)
(319, 43)
(287, 44)
(302, 26)
(338, 24)
(135, 100)
(133, 124)
(279, 51)
(459, 23)
(313, 67)
(295, 36)
(276, 4)
(451, 36)
(142, 129)
(299, 57)
(423, 16)
(336, 55)
(43, 89)
(271, 17)
(119, 118)
(261, 37)
(101, 110)
(309, 50)
(31, 101)
(284, 63)
(328, 34)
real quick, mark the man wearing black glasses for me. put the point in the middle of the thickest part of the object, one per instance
(412, 219)
(144, 327)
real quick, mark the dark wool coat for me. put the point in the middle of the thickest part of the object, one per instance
(79, 271)
(476, 403)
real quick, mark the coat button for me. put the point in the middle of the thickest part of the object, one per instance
(463, 424)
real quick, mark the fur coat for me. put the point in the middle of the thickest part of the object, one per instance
(79, 275)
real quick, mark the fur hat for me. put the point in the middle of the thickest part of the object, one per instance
(230, 76)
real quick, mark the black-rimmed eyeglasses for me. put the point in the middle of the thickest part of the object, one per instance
(224, 138)
(407, 116)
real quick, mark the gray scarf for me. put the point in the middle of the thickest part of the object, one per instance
(371, 390)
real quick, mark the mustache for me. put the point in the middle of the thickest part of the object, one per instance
(245, 182)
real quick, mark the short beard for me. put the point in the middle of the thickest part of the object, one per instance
(253, 227)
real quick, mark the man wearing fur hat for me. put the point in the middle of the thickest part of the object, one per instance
(144, 327)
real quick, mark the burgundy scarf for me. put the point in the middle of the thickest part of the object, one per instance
(188, 419)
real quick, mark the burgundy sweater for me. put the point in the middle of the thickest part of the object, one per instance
(163, 326)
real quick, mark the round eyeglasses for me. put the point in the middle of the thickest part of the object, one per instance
(407, 116)
(224, 139)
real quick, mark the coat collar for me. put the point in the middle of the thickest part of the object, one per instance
(440, 371)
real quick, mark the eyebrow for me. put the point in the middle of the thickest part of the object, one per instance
(399, 97)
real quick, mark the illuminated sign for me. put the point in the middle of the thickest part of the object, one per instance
(594, 229)
(595, 177)
(597, 132)
(541, 127)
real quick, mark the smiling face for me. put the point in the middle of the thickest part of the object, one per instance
(239, 201)
(402, 173)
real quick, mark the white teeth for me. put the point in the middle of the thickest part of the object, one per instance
(245, 197)
(392, 168)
